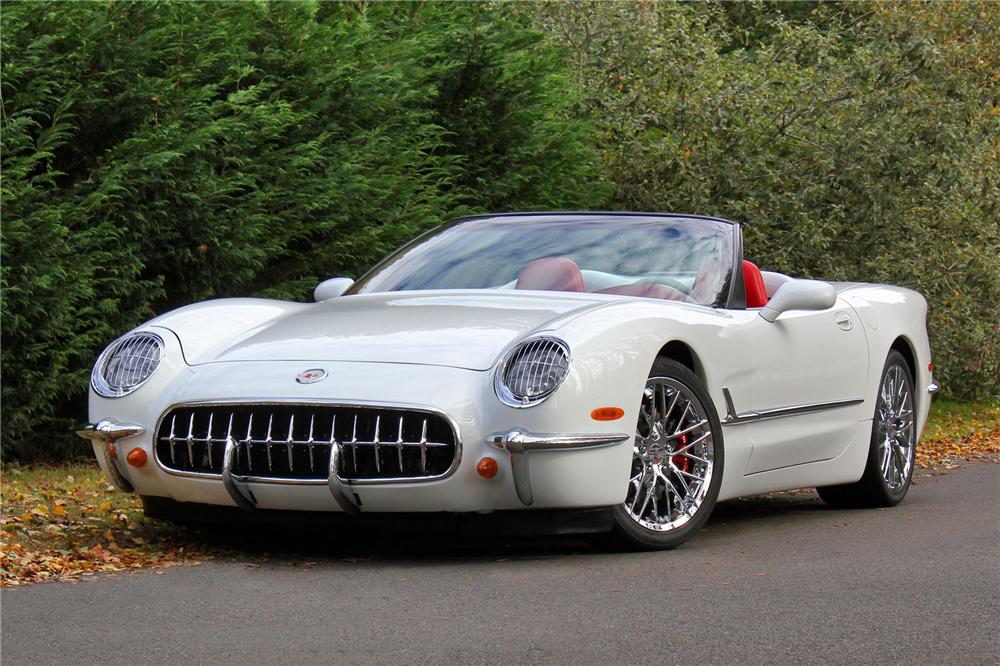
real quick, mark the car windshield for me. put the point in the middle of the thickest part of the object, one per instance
(672, 258)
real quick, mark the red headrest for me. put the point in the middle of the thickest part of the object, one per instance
(551, 274)
(753, 281)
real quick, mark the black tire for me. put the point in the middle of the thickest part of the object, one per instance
(873, 489)
(627, 531)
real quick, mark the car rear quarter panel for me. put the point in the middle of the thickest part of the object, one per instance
(894, 315)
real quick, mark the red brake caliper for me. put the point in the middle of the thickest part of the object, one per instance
(681, 461)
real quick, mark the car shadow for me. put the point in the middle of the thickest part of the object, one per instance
(415, 543)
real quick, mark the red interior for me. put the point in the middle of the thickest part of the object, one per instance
(753, 281)
(551, 274)
(561, 274)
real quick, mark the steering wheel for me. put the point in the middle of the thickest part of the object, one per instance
(672, 283)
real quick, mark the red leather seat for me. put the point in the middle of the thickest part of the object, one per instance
(753, 281)
(551, 274)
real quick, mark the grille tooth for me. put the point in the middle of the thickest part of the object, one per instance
(190, 440)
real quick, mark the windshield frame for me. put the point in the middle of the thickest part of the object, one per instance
(735, 281)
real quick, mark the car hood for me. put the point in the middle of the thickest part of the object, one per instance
(463, 329)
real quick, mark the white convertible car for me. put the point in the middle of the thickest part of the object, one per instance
(624, 371)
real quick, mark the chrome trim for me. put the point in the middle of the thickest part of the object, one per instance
(343, 497)
(101, 385)
(933, 387)
(503, 392)
(229, 479)
(314, 403)
(520, 442)
(732, 418)
(109, 431)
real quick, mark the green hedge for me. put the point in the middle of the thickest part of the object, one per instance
(156, 154)
(159, 154)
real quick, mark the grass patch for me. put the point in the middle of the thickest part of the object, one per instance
(65, 522)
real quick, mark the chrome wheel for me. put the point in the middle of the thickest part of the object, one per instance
(672, 459)
(895, 429)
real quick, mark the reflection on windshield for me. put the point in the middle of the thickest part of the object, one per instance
(668, 258)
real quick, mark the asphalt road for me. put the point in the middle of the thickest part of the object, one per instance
(770, 580)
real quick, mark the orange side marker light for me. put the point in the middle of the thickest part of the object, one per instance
(487, 468)
(136, 457)
(607, 413)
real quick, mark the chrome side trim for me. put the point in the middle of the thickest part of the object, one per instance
(314, 403)
(342, 497)
(107, 432)
(732, 418)
(519, 443)
(933, 387)
(229, 479)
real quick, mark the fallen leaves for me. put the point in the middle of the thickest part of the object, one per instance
(60, 526)
(958, 433)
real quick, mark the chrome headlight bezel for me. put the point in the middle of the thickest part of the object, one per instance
(130, 343)
(539, 344)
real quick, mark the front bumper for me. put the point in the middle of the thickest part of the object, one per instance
(567, 470)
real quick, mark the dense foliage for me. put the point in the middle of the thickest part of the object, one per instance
(160, 153)
(856, 142)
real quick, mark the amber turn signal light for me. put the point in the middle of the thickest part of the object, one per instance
(607, 413)
(487, 468)
(136, 457)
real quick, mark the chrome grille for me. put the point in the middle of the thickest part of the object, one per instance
(293, 442)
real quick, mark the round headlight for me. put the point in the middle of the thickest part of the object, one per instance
(126, 364)
(532, 371)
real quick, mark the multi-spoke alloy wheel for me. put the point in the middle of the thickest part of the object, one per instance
(676, 461)
(895, 431)
(893, 443)
(672, 457)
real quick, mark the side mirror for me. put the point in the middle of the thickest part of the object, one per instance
(332, 288)
(799, 295)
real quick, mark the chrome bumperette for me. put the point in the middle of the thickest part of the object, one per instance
(933, 387)
(107, 432)
(519, 443)
(341, 495)
(732, 418)
(229, 479)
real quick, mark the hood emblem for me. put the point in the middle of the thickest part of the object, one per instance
(311, 376)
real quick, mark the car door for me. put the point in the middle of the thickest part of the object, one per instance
(809, 372)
